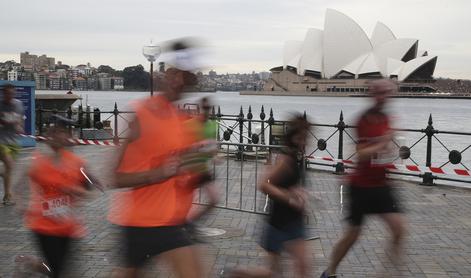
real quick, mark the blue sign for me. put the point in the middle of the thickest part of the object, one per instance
(25, 93)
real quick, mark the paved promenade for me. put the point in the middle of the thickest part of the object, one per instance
(438, 245)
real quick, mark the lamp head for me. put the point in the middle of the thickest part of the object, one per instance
(151, 52)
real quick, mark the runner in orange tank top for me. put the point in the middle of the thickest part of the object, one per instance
(58, 181)
(157, 186)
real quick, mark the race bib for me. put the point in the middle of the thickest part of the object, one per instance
(384, 157)
(57, 207)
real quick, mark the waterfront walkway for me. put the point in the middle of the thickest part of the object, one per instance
(439, 219)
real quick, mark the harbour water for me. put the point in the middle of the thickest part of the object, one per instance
(448, 114)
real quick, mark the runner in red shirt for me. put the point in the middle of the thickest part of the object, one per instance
(369, 191)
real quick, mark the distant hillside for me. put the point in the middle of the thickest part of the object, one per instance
(455, 86)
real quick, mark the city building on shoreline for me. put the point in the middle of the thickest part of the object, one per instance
(213, 81)
(85, 77)
(51, 76)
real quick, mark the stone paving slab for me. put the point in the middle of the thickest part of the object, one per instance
(438, 245)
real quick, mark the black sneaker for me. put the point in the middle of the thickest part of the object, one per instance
(8, 201)
(225, 273)
(326, 275)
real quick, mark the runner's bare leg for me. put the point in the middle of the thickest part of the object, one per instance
(397, 226)
(126, 273)
(298, 250)
(341, 248)
(7, 160)
(260, 272)
(185, 262)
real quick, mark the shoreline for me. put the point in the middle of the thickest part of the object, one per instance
(339, 94)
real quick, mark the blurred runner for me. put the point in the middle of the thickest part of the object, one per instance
(285, 227)
(206, 131)
(11, 124)
(152, 210)
(57, 183)
(369, 191)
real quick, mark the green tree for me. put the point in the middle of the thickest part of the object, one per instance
(136, 78)
(106, 69)
(118, 73)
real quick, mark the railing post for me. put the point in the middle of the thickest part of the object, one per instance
(427, 178)
(87, 116)
(213, 113)
(262, 128)
(304, 158)
(96, 117)
(80, 120)
(271, 121)
(339, 167)
(40, 120)
(54, 112)
(69, 113)
(219, 115)
(249, 127)
(116, 132)
(69, 116)
(240, 119)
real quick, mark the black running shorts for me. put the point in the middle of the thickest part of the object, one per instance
(143, 243)
(370, 200)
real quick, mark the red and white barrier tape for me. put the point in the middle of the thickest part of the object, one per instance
(405, 168)
(108, 142)
(77, 141)
(393, 167)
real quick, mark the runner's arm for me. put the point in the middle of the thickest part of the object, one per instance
(157, 175)
(366, 150)
(137, 179)
(275, 192)
(90, 181)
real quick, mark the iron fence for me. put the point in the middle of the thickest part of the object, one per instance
(237, 175)
(238, 128)
(244, 134)
(103, 125)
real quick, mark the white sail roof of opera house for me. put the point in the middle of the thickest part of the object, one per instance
(292, 53)
(344, 40)
(381, 34)
(311, 51)
(343, 50)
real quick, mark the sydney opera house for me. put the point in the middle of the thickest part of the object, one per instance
(342, 58)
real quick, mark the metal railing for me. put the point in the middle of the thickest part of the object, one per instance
(341, 133)
(237, 176)
(114, 124)
(243, 134)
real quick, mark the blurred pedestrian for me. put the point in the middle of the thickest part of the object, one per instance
(369, 191)
(11, 124)
(158, 190)
(285, 227)
(206, 132)
(58, 182)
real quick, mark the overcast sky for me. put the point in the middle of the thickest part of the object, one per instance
(245, 35)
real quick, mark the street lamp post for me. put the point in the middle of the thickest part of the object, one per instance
(151, 52)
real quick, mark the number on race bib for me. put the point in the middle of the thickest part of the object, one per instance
(57, 207)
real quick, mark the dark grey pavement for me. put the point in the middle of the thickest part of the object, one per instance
(438, 244)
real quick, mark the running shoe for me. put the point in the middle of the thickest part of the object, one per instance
(225, 272)
(29, 267)
(8, 202)
(326, 275)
